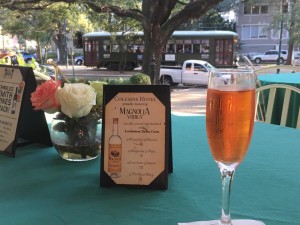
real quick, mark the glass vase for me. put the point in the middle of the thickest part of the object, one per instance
(77, 139)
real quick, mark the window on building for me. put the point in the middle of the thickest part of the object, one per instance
(276, 9)
(275, 34)
(285, 7)
(254, 32)
(264, 9)
(262, 33)
(247, 9)
(255, 9)
(281, 7)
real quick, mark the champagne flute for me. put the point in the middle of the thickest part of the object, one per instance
(229, 125)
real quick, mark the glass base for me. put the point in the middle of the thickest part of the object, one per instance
(76, 157)
(216, 222)
(82, 153)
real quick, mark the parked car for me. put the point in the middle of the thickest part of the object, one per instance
(192, 72)
(270, 56)
(27, 56)
(79, 60)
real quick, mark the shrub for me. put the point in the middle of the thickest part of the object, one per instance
(116, 81)
(140, 78)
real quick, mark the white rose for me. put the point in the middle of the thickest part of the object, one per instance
(76, 99)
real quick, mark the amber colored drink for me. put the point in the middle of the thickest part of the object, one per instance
(229, 124)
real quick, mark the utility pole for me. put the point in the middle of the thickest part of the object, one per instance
(280, 36)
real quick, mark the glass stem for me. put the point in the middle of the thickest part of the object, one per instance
(226, 176)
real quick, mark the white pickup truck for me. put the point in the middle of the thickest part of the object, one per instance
(192, 72)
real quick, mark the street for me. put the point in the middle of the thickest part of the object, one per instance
(184, 99)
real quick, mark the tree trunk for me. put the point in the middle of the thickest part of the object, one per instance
(60, 41)
(289, 60)
(147, 60)
(39, 50)
(290, 57)
(154, 44)
(152, 58)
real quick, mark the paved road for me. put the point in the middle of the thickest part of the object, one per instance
(184, 99)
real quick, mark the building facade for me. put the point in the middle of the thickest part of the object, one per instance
(253, 26)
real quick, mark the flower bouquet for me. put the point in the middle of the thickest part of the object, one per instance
(76, 129)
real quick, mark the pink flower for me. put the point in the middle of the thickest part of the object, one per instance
(44, 97)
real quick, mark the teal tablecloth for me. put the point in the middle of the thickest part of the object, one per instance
(292, 79)
(39, 188)
(281, 78)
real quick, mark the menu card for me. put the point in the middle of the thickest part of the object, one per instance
(136, 136)
(17, 119)
(11, 92)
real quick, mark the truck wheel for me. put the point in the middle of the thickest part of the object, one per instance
(257, 60)
(281, 61)
(166, 80)
(28, 60)
(79, 62)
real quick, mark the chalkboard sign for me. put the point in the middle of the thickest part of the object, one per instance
(19, 124)
(136, 136)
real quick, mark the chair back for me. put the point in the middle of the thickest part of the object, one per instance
(266, 97)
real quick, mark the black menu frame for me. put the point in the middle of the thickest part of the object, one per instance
(162, 93)
(30, 126)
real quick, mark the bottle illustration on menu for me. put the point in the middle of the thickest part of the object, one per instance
(20, 91)
(115, 151)
(14, 102)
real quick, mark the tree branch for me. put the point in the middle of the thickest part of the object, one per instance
(194, 9)
(132, 13)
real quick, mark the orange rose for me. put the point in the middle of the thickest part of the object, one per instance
(44, 97)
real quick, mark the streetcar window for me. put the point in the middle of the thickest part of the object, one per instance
(138, 49)
(196, 48)
(88, 46)
(106, 48)
(187, 48)
(204, 46)
(179, 46)
(170, 48)
(115, 48)
(129, 49)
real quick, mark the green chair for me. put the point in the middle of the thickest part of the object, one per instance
(266, 97)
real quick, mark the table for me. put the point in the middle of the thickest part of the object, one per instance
(281, 78)
(292, 79)
(38, 187)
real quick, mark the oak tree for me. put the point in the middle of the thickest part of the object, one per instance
(158, 18)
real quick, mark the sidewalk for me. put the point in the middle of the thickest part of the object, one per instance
(191, 100)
